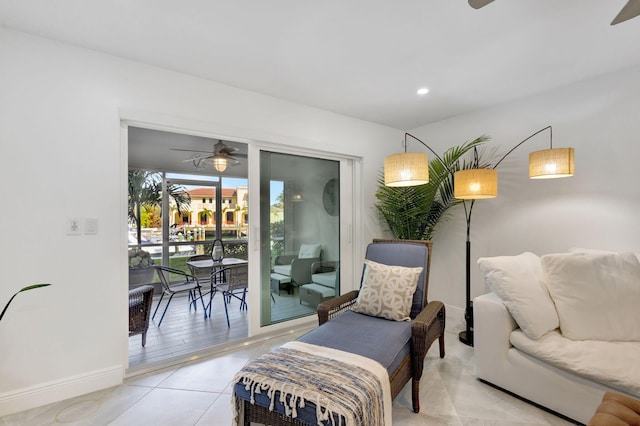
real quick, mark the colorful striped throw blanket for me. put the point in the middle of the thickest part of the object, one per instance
(351, 386)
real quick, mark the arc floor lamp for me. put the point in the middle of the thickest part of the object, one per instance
(412, 168)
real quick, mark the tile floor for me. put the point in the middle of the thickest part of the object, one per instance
(198, 393)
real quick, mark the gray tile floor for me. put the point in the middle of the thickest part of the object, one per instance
(198, 393)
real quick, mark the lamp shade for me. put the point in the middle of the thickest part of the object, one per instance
(475, 184)
(406, 169)
(551, 163)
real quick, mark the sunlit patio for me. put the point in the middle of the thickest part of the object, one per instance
(186, 331)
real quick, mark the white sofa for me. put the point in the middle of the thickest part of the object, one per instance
(527, 330)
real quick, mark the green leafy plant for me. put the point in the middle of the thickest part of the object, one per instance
(139, 259)
(31, 287)
(414, 212)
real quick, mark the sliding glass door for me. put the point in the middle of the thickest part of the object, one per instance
(299, 234)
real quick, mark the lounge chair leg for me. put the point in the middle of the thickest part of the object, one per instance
(441, 343)
(415, 395)
(144, 339)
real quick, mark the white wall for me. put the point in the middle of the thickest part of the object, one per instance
(597, 208)
(61, 157)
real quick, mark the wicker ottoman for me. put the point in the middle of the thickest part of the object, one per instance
(314, 294)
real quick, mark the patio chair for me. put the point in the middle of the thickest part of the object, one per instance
(298, 266)
(140, 301)
(202, 275)
(187, 283)
(232, 282)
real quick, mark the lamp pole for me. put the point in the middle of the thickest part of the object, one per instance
(466, 336)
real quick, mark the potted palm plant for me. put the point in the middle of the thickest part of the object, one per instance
(413, 212)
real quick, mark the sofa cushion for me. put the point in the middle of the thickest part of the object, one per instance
(597, 251)
(596, 295)
(612, 364)
(362, 334)
(387, 291)
(309, 251)
(519, 281)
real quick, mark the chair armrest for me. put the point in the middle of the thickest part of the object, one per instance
(301, 270)
(284, 259)
(323, 266)
(332, 307)
(426, 327)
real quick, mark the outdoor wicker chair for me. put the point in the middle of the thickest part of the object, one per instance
(140, 301)
(187, 283)
(400, 346)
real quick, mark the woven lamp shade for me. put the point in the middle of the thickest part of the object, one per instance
(475, 184)
(551, 163)
(406, 169)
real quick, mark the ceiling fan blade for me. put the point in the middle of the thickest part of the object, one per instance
(630, 10)
(477, 4)
(189, 150)
(197, 158)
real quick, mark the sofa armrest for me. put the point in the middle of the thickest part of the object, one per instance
(301, 270)
(332, 307)
(493, 325)
(426, 327)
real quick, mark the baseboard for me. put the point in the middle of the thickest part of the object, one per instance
(59, 390)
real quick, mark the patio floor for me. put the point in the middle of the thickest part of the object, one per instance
(185, 331)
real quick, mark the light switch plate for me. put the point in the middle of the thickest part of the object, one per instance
(90, 225)
(74, 226)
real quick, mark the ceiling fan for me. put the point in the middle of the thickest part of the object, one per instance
(630, 10)
(221, 157)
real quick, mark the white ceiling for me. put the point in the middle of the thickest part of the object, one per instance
(361, 58)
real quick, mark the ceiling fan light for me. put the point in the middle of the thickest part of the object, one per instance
(406, 169)
(551, 163)
(475, 184)
(220, 164)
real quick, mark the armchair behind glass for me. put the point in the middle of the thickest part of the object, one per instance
(298, 266)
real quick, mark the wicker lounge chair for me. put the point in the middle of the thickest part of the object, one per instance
(399, 346)
(140, 301)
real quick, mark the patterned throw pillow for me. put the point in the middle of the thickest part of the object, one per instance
(387, 291)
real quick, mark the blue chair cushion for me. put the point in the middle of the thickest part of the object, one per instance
(363, 335)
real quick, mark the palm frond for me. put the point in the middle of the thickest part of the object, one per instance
(27, 288)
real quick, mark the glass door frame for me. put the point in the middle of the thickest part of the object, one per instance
(351, 201)
(350, 237)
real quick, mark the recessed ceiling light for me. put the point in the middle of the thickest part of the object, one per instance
(423, 91)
